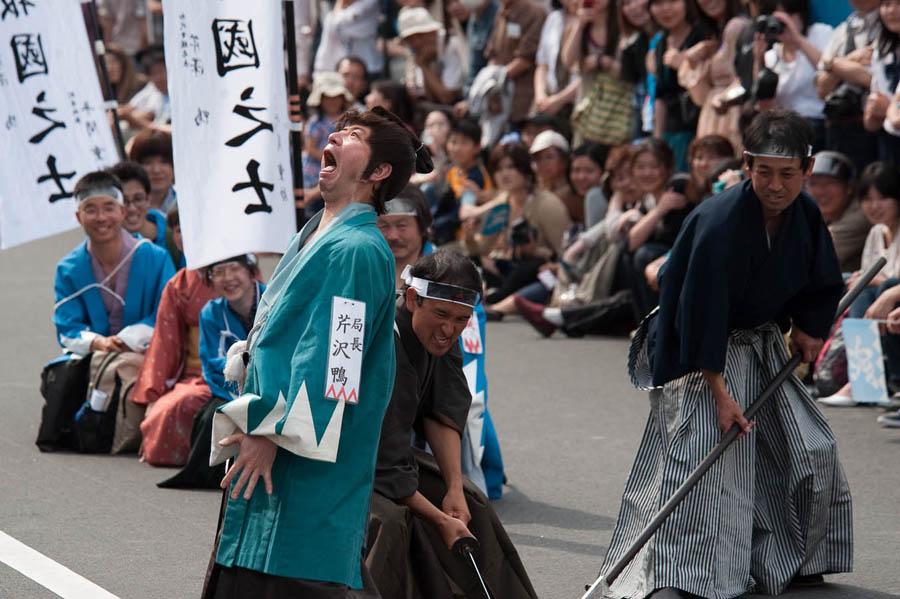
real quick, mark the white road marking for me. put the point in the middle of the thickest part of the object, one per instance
(48, 573)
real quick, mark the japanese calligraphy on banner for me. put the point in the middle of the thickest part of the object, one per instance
(225, 63)
(53, 127)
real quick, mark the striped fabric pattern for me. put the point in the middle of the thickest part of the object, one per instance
(774, 506)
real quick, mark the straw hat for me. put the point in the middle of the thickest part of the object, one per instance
(328, 84)
(413, 20)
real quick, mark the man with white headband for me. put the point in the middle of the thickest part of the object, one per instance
(108, 288)
(430, 404)
(749, 265)
(107, 292)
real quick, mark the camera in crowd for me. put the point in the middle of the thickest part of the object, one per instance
(766, 83)
(768, 25)
(520, 233)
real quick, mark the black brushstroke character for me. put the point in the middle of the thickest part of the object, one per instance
(56, 177)
(258, 186)
(42, 112)
(235, 45)
(247, 113)
(29, 54)
(10, 8)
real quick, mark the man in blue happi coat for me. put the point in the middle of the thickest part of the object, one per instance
(320, 374)
(107, 289)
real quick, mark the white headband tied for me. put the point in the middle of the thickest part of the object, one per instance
(440, 291)
(106, 192)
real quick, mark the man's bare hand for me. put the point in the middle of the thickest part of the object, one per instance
(255, 458)
(452, 529)
(729, 414)
(808, 347)
(455, 506)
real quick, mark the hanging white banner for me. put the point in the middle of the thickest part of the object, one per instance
(53, 128)
(225, 62)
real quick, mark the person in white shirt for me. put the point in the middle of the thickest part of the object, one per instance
(350, 29)
(793, 58)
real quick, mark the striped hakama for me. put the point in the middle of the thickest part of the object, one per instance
(775, 505)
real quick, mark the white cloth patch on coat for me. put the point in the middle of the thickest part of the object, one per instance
(345, 353)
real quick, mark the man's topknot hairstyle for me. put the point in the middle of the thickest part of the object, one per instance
(392, 143)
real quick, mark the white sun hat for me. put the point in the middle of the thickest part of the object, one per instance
(413, 20)
(328, 84)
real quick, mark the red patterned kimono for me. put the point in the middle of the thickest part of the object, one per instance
(171, 377)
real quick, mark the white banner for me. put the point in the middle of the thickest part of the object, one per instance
(225, 62)
(53, 128)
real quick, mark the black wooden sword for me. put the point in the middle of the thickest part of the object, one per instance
(465, 548)
(688, 485)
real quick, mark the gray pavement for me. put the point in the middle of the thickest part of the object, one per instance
(568, 420)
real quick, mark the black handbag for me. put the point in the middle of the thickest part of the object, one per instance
(64, 385)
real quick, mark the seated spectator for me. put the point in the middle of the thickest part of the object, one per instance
(709, 70)
(392, 96)
(842, 80)
(170, 384)
(881, 114)
(623, 208)
(533, 125)
(149, 107)
(512, 250)
(108, 288)
(435, 70)
(140, 218)
(675, 114)
(832, 185)
(351, 29)
(794, 58)
(704, 153)
(879, 187)
(173, 238)
(586, 175)
(329, 99)
(107, 291)
(513, 44)
(416, 496)
(435, 136)
(356, 79)
(152, 149)
(550, 156)
(467, 177)
(654, 233)
(555, 85)
(223, 320)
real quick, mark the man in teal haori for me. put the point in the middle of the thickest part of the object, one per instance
(319, 374)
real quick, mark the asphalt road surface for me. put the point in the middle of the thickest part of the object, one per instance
(569, 424)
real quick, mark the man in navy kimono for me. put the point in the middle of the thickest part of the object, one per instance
(749, 265)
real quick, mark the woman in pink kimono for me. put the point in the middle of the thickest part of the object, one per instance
(171, 382)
